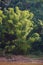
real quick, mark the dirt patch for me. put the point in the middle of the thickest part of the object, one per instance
(19, 59)
(18, 63)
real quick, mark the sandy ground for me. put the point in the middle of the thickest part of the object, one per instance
(19, 63)
(20, 60)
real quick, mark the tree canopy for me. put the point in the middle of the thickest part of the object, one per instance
(21, 26)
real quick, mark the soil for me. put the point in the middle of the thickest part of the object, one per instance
(22, 59)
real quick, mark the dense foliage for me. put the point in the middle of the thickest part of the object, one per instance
(21, 28)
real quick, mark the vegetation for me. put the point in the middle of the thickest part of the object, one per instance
(21, 27)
